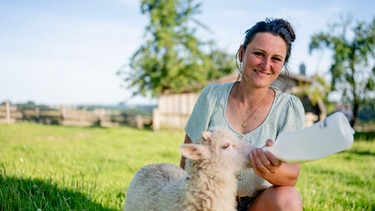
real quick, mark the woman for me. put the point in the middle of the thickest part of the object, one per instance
(257, 113)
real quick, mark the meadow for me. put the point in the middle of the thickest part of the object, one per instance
(47, 167)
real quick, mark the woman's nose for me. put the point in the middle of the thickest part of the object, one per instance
(266, 63)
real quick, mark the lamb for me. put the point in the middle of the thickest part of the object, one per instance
(209, 182)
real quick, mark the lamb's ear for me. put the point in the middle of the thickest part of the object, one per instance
(207, 135)
(195, 151)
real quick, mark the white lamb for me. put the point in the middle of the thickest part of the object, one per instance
(209, 183)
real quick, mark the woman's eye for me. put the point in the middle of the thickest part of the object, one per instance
(277, 59)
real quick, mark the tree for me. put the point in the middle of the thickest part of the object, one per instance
(353, 68)
(172, 58)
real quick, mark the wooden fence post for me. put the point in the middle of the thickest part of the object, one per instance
(7, 110)
(139, 120)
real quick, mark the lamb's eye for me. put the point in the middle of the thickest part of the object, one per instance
(225, 146)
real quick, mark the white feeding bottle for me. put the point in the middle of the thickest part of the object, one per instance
(326, 137)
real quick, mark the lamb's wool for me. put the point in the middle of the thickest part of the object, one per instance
(209, 182)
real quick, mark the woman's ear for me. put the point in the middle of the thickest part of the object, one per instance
(240, 53)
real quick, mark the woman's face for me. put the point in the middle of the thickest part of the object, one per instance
(263, 59)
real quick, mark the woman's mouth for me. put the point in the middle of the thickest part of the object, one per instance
(261, 73)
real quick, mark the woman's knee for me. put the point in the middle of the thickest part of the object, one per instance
(278, 198)
(289, 198)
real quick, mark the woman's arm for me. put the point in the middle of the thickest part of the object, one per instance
(265, 164)
(183, 159)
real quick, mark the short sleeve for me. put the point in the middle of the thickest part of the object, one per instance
(202, 112)
(294, 116)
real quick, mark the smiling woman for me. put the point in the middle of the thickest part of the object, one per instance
(257, 113)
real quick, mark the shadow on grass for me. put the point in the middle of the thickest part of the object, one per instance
(364, 136)
(362, 152)
(37, 194)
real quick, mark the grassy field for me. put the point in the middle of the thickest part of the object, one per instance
(78, 168)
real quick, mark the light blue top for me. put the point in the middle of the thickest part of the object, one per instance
(286, 114)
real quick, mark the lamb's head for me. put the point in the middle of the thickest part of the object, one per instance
(219, 146)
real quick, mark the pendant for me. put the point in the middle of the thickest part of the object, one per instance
(244, 124)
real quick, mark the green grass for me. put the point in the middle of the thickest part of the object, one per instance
(75, 168)
(46, 167)
(344, 181)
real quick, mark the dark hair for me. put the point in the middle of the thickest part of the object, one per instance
(277, 27)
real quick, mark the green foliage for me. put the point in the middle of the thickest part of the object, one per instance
(353, 64)
(367, 111)
(316, 91)
(172, 58)
(44, 167)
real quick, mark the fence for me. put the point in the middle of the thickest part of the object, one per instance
(9, 114)
(71, 116)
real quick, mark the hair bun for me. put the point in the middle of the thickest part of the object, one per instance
(281, 23)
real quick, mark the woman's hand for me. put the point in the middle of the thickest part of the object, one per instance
(264, 163)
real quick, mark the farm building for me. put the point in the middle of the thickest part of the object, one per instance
(173, 110)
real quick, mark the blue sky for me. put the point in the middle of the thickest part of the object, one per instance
(68, 52)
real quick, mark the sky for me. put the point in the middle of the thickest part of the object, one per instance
(67, 52)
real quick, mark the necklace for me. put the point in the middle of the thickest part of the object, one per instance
(244, 121)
